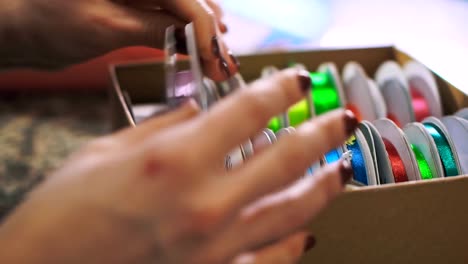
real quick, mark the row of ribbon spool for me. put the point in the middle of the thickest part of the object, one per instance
(402, 135)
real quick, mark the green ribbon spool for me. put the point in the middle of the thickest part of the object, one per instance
(324, 93)
(424, 168)
(324, 96)
(445, 151)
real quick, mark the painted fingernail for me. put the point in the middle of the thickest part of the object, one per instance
(351, 122)
(224, 28)
(346, 171)
(224, 67)
(309, 243)
(215, 46)
(181, 41)
(234, 60)
(304, 80)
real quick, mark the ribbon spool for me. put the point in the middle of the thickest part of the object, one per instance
(263, 140)
(422, 164)
(374, 140)
(402, 159)
(424, 92)
(425, 151)
(395, 91)
(462, 113)
(331, 70)
(420, 105)
(364, 97)
(444, 146)
(397, 165)
(333, 156)
(357, 161)
(361, 159)
(458, 130)
(324, 97)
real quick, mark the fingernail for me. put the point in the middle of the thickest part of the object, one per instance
(215, 44)
(234, 60)
(181, 41)
(224, 28)
(351, 122)
(346, 171)
(224, 67)
(304, 80)
(310, 243)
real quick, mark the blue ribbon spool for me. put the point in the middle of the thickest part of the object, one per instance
(357, 161)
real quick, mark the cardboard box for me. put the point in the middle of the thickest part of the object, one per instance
(415, 222)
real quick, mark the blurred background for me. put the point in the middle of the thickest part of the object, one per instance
(433, 31)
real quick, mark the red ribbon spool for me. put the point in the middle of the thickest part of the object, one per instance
(398, 167)
(420, 105)
(394, 119)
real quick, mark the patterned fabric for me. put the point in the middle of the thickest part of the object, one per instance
(37, 132)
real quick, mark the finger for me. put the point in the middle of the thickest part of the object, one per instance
(223, 67)
(282, 164)
(155, 5)
(216, 8)
(147, 27)
(148, 128)
(204, 19)
(218, 14)
(217, 63)
(263, 140)
(247, 111)
(286, 251)
(282, 213)
(278, 166)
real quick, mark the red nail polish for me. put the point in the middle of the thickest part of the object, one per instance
(309, 243)
(224, 28)
(350, 121)
(215, 46)
(304, 80)
(234, 60)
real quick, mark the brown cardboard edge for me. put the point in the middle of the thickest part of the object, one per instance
(409, 184)
(411, 223)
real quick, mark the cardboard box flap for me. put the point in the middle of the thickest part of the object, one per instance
(395, 224)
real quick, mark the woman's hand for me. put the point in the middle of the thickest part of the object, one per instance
(57, 33)
(156, 193)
